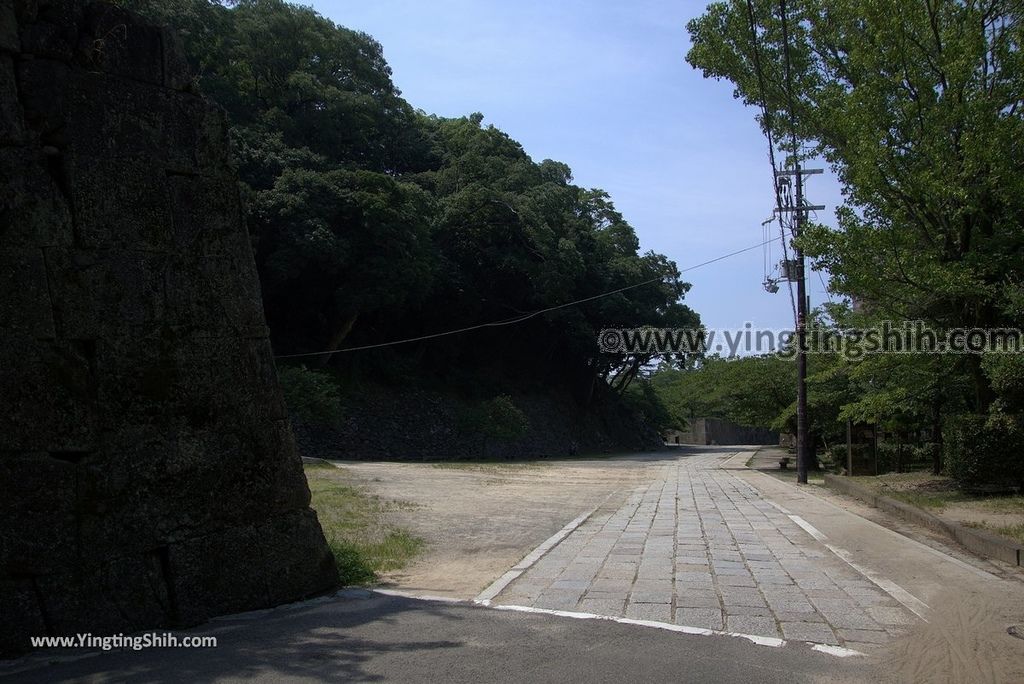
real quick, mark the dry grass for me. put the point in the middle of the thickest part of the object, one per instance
(1001, 514)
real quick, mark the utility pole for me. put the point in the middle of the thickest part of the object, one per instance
(802, 454)
(799, 210)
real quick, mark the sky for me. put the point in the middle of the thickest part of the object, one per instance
(605, 88)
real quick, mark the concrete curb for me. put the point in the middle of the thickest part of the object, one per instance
(977, 541)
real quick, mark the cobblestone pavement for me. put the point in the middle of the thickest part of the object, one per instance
(700, 547)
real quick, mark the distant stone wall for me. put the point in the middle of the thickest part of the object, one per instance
(413, 425)
(707, 431)
(148, 475)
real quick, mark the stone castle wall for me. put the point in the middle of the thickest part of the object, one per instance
(148, 475)
(719, 431)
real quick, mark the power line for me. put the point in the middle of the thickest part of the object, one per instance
(524, 317)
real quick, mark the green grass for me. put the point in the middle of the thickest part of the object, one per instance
(354, 522)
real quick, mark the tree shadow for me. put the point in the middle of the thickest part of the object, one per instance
(329, 639)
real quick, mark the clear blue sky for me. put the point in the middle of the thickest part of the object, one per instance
(604, 87)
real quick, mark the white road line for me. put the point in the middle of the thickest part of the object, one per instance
(909, 601)
(882, 528)
(894, 533)
(808, 528)
(772, 642)
(780, 509)
(422, 597)
(485, 596)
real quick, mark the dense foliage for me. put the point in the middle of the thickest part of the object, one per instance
(918, 109)
(751, 391)
(375, 222)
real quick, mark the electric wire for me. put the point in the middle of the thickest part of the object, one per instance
(518, 319)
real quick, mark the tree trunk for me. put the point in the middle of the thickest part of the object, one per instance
(338, 337)
(937, 436)
(983, 394)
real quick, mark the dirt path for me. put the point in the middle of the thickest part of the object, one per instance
(480, 520)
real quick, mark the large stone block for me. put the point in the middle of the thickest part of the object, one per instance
(177, 73)
(26, 311)
(205, 585)
(9, 40)
(48, 399)
(33, 212)
(42, 84)
(207, 216)
(235, 378)
(39, 534)
(114, 40)
(297, 557)
(127, 504)
(119, 203)
(114, 119)
(109, 292)
(23, 617)
(12, 128)
(215, 295)
(124, 594)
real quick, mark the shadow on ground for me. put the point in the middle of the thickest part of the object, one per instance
(370, 637)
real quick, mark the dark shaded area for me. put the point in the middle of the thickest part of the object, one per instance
(148, 475)
(382, 638)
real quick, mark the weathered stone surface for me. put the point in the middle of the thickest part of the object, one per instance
(47, 400)
(9, 40)
(119, 203)
(42, 84)
(39, 533)
(177, 74)
(101, 293)
(33, 212)
(111, 118)
(148, 469)
(26, 311)
(206, 214)
(12, 129)
(22, 613)
(118, 43)
(197, 567)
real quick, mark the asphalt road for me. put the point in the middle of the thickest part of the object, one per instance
(385, 638)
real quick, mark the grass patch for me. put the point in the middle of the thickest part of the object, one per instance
(917, 489)
(354, 522)
(938, 492)
(486, 466)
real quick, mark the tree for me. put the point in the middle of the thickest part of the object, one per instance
(751, 391)
(373, 222)
(917, 106)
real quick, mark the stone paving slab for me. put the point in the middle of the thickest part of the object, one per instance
(701, 547)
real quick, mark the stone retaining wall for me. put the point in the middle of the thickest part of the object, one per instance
(148, 475)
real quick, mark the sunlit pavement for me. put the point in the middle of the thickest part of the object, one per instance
(702, 547)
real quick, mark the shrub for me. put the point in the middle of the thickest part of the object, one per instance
(310, 395)
(497, 418)
(985, 451)
(835, 458)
